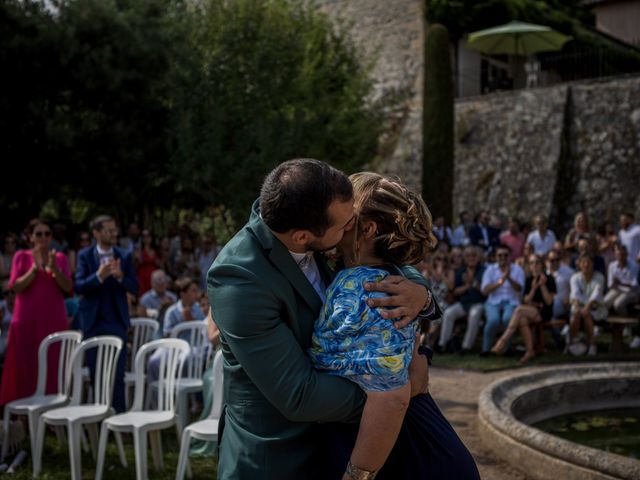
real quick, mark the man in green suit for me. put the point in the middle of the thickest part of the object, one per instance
(266, 289)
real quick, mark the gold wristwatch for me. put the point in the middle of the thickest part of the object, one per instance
(357, 473)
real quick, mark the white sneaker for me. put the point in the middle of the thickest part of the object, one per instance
(626, 332)
(597, 331)
(565, 331)
(635, 342)
(593, 350)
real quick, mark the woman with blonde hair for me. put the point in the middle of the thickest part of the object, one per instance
(393, 227)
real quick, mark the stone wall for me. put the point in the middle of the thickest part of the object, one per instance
(555, 150)
(390, 33)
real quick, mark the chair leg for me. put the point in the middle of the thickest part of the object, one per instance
(75, 456)
(5, 433)
(86, 447)
(140, 448)
(183, 459)
(60, 434)
(92, 428)
(156, 449)
(123, 457)
(102, 450)
(37, 453)
(33, 428)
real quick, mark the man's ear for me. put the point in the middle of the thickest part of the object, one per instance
(302, 237)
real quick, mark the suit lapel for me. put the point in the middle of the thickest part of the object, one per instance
(282, 260)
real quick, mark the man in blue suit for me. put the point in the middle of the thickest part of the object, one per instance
(104, 275)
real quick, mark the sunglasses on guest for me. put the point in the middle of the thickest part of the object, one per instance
(40, 234)
(502, 255)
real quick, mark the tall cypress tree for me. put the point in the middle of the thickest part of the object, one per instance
(437, 123)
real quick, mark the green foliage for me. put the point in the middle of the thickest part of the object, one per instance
(437, 166)
(279, 81)
(131, 108)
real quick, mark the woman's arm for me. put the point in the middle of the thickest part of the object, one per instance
(23, 282)
(379, 428)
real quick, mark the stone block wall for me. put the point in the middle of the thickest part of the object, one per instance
(555, 150)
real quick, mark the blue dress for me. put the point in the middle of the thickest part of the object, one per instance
(354, 341)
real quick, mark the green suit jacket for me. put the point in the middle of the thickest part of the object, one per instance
(265, 309)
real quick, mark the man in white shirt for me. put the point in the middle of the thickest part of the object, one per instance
(541, 238)
(629, 236)
(622, 280)
(562, 275)
(502, 284)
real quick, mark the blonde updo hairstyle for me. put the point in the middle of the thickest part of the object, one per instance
(404, 226)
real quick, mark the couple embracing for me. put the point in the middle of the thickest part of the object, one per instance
(323, 378)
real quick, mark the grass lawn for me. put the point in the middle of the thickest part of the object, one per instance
(472, 361)
(55, 461)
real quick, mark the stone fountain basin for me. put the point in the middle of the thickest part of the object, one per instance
(507, 407)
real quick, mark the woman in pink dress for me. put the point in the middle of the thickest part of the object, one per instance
(39, 277)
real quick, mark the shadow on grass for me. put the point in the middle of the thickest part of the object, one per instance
(55, 462)
(552, 355)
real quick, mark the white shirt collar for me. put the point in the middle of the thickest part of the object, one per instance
(104, 252)
(302, 259)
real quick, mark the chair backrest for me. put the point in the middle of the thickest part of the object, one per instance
(217, 385)
(174, 354)
(195, 334)
(68, 340)
(107, 350)
(144, 330)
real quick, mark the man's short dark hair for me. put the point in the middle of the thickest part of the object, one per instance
(98, 222)
(296, 195)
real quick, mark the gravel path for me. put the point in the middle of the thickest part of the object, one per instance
(456, 393)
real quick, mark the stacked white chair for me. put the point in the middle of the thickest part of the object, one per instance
(204, 429)
(140, 422)
(195, 334)
(40, 402)
(76, 414)
(144, 330)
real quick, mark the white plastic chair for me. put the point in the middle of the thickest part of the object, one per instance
(144, 330)
(76, 414)
(139, 421)
(204, 429)
(40, 402)
(195, 334)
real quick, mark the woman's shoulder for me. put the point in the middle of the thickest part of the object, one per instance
(357, 275)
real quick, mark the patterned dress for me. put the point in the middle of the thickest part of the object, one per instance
(353, 341)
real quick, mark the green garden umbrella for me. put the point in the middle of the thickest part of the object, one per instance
(517, 38)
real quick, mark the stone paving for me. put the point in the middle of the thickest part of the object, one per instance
(456, 392)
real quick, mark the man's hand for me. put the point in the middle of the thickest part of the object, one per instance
(408, 299)
(104, 271)
(116, 271)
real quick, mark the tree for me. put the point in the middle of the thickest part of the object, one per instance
(437, 165)
(278, 81)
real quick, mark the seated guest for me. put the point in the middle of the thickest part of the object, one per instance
(580, 230)
(629, 236)
(460, 236)
(441, 231)
(502, 284)
(455, 258)
(469, 300)
(523, 261)
(159, 296)
(587, 302)
(185, 309)
(514, 239)
(537, 307)
(561, 274)
(587, 247)
(606, 240)
(541, 238)
(483, 235)
(622, 281)
(440, 278)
